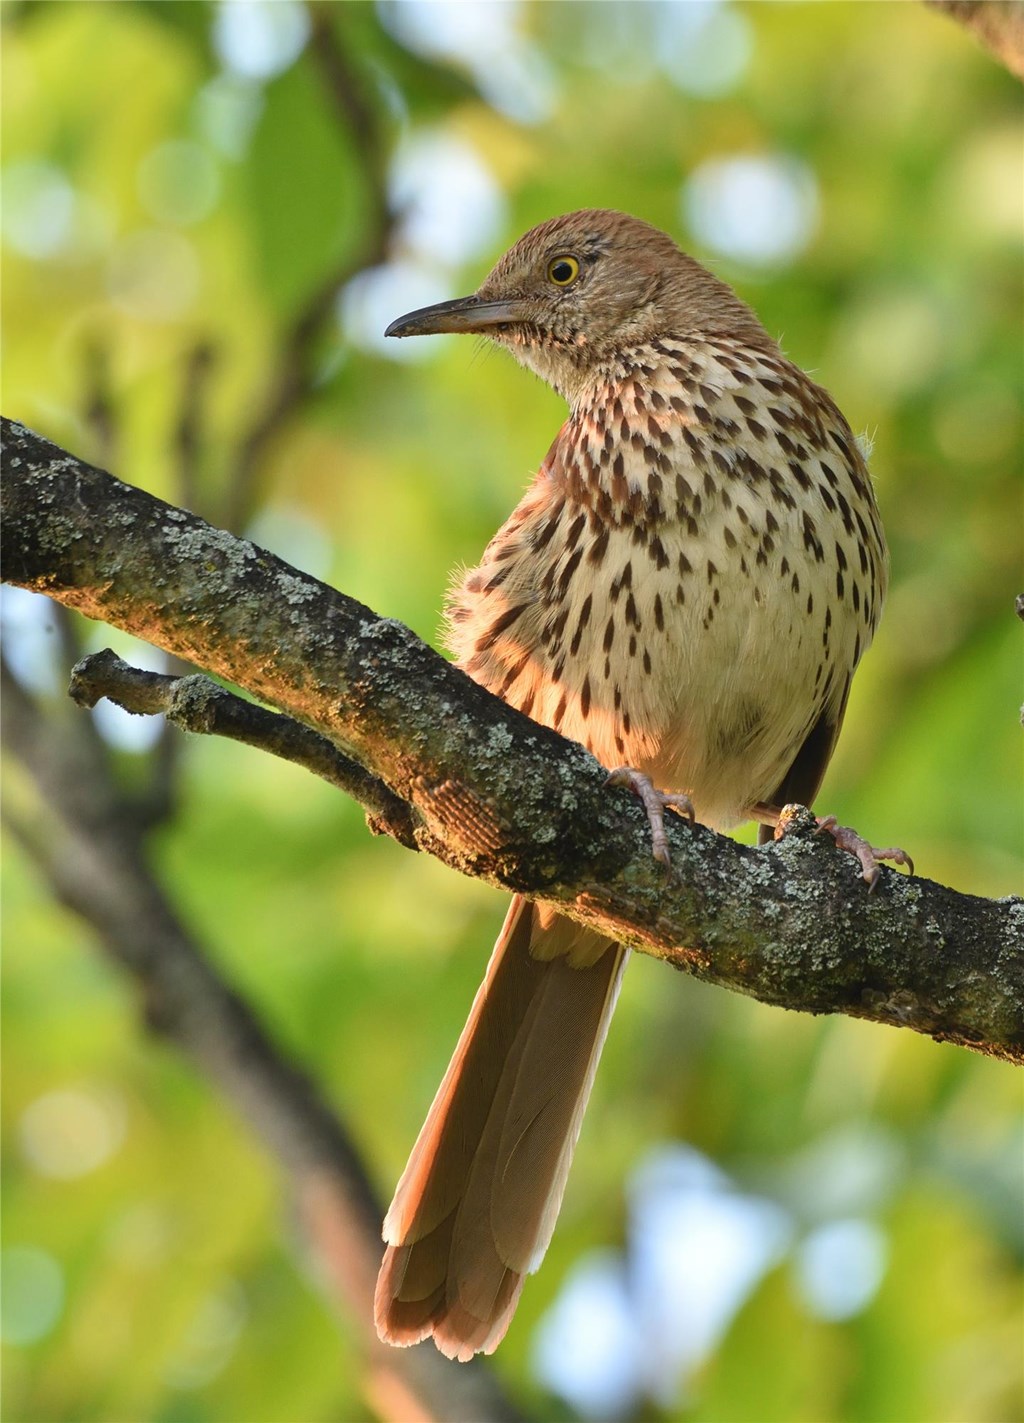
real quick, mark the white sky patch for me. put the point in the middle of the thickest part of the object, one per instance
(704, 46)
(628, 1328)
(485, 37)
(586, 1348)
(259, 38)
(369, 304)
(452, 208)
(28, 622)
(759, 210)
(840, 1266)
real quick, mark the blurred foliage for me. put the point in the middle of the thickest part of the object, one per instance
(146, 1233)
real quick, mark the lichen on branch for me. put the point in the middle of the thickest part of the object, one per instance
(495, 795)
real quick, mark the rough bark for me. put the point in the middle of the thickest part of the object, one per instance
(494, 795)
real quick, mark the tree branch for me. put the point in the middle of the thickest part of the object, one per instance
(195, 703)
(998, 24)
(84, 841)
(493, 794)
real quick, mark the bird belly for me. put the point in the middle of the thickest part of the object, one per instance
(706, 681)
(668, 600)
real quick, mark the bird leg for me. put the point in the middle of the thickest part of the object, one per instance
(655, 803)
(869, 857)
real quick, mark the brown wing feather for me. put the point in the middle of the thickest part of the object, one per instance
(802, 781)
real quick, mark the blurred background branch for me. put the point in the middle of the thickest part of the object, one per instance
(87, 834)
(347, 88)
(85, 842)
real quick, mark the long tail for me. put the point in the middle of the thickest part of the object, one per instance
(477, 1203)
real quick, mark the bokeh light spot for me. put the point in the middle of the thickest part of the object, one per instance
(704, 46)
(31, 1294)
(376, 297)
(894, 339)
(154, 275)
(210, 1337)
(840, 1266)
(698, 1249)
(851, 1169)
(260, 38)
(126, 730)
(758, 210)
(452, 207)
(291, 535)
(70, 1132)
(178, 182)
(487, 39)
(980, 423)
(586, 1348)
(227, 110)
(642, 1326)
(37, 216)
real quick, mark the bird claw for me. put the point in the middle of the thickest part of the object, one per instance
(869, 858)
(654, 802)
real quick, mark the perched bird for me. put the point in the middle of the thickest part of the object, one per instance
(686, 589)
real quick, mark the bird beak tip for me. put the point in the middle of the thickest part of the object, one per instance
(465, 314)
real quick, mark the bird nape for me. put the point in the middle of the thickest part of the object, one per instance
(686, 589)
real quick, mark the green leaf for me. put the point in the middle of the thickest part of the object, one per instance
(302, 186)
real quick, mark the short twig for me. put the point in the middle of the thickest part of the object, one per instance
(198, 704)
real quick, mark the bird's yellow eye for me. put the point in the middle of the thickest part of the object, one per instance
(563, 271)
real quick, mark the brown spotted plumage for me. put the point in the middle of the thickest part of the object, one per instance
(686, 588)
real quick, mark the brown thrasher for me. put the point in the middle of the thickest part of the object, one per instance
(686, 588)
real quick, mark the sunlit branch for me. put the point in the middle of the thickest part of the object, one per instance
(499, 797)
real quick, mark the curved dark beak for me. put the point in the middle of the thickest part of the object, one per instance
(466, 313)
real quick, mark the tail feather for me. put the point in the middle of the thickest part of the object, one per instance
(477, 1203)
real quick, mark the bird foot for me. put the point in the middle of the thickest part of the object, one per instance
(870, 859)
(655, 803)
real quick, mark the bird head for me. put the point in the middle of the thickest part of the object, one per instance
(576, 291)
